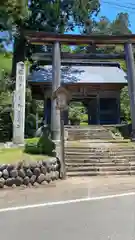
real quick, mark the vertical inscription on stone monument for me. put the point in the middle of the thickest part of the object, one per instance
(19, 104)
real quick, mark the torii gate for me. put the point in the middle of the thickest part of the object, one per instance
(56, 57)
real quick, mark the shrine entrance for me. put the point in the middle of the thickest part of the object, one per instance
(93, 111)
(102, 91)
(109, 111)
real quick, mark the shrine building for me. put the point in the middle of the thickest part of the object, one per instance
(97, 86)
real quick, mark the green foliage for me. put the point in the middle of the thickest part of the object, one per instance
(31, 146)
(121, 24)
(66, 48)
(42, 145)
(84, 124)
(5, 100)
(32, 107)
(55, 16)
(5, 62)
(30, 125)
(76, 111)
(13, 12)
(84, 118)
(125, 104)
(46, 145)
(5, 125)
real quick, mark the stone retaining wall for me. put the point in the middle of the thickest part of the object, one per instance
(29, 173)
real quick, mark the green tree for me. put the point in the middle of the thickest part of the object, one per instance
(121, 24)
(76, 112)
(12, 12)
(125, 104)
(51, 16)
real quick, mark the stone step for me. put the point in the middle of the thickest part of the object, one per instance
(84, 136)
(82, 128)
(79, 152)
(87, 148)
(88, 138)
(101, 169)
(99, 164)
(85, 174)
(87, 131)
(101, 145)
(104, 160)
(96, 155)
(90, 133)
(97, 150)
(87, 144)
(76, 134)
(100, 155)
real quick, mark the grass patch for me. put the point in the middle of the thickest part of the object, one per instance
(83, 124)
(13, 155)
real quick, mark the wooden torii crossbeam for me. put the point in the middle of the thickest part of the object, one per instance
(75, 58)
(70, 39)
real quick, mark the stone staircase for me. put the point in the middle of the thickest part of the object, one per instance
(98, 158)
(92, 132)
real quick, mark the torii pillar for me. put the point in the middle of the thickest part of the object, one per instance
(56, 82)
(131, 82)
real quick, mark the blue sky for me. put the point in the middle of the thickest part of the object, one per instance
(110, 9)
(115, 7)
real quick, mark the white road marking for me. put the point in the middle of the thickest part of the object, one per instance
(47, 204)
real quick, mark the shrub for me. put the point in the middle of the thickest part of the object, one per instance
(31, 146)
(30, 125)
(84, 118)
(77, 112)
(6, 125)
(43, 145)
(46, 146)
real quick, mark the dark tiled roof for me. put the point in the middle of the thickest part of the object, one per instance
(83, 74)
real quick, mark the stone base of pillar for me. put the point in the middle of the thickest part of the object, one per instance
(55, 122)
(133, 136)
(55, 135)
(57, 149)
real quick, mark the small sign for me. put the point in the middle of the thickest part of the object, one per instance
(61, 101)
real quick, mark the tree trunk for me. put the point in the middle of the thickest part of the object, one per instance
(18, 53)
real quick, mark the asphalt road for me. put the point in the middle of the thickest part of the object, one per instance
(102, 219)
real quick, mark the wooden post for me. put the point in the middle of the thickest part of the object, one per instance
(131, 82)
(62, 148)
(56, 82)
(118, 108)
(89, 113)
(44, 116)
(37, 121)
(65, 116)
(98, 108)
